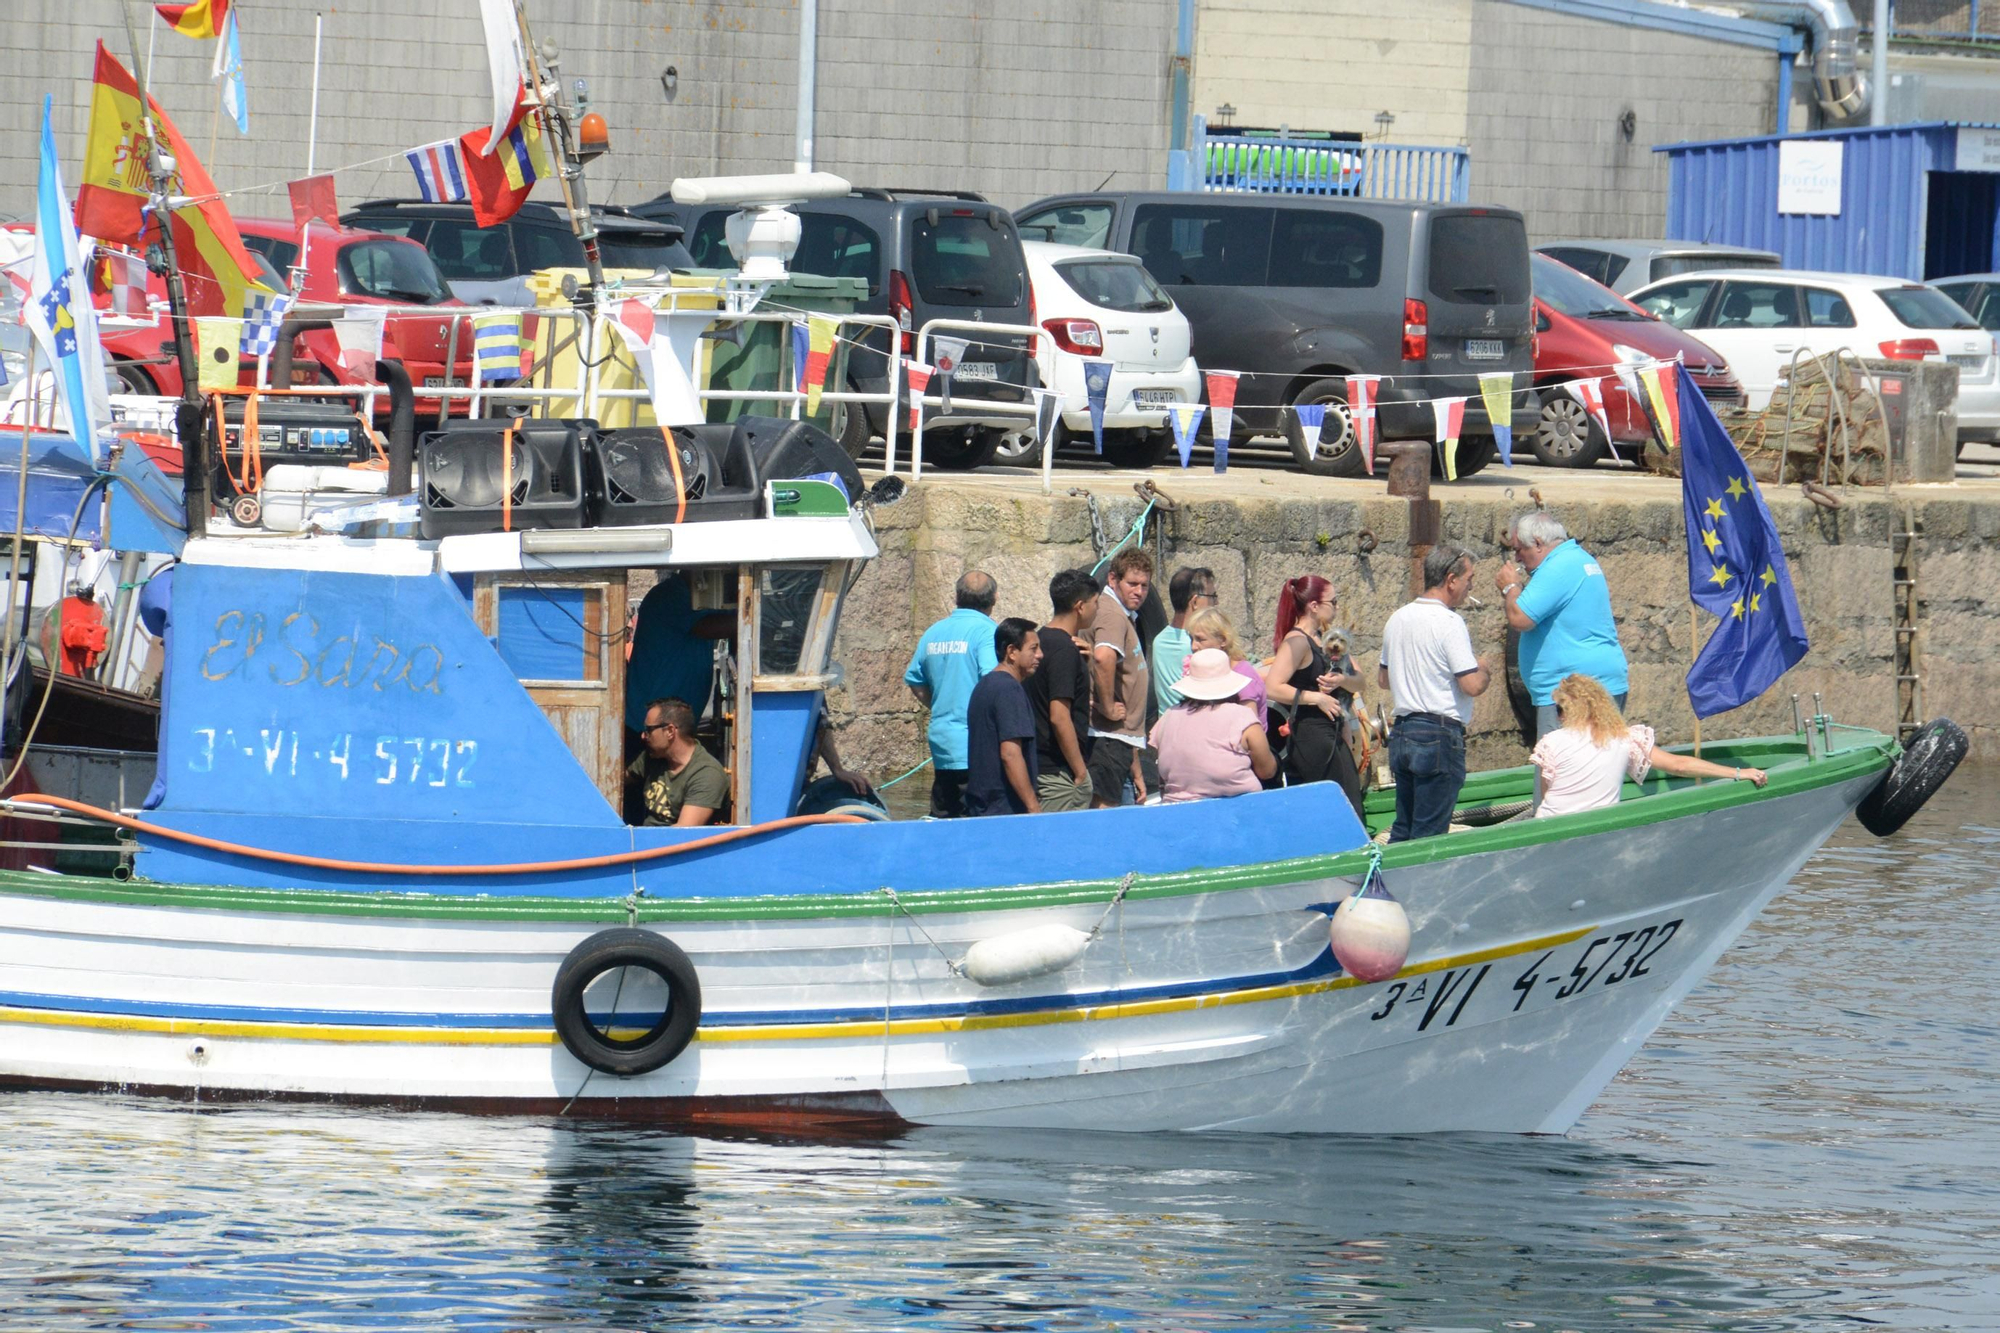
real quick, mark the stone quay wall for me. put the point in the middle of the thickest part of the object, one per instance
(1256, 530)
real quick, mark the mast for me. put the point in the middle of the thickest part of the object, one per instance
(557, 129)
(188, 424)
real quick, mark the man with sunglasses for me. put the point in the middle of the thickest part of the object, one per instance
(679, 782)
(1562, 608)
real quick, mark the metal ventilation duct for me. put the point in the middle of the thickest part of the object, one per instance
(1838, 83)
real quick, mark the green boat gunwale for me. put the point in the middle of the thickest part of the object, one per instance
(1658, 799)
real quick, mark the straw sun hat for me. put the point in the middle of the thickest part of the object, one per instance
(1209, 676)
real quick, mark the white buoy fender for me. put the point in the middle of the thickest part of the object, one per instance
(1371, 934)
(1021, 954)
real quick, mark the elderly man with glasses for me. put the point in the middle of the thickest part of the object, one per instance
(1562, 607)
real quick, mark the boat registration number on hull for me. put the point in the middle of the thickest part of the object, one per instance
(1438, 1000)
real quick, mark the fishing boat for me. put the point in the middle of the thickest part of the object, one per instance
(385, 861)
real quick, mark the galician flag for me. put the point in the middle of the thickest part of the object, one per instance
(58, 310)
(228, 67)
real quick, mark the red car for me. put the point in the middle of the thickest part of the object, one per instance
(369, 268)
(1584, 330)
(144, 358)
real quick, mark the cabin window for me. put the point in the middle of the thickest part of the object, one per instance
(788, 598)
(552, 633)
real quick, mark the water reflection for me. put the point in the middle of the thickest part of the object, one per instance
(1808, 1143)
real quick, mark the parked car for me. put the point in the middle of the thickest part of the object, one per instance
(1298, 293)
(141, 348)
(1979, 293)
(1762, 319)
(1097, 305)
(490, 265)
(1586, 330)
(351, 267)
(925, 255)
(1626, 266)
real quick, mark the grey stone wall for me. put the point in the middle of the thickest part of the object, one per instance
(1015, 101)
(1840, 564)
(1547, 91)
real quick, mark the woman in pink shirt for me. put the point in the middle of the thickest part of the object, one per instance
(1210, 744)
(1210, 628)
(1583, 764)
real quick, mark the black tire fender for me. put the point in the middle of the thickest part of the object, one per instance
(1933, 753)
(626, 947)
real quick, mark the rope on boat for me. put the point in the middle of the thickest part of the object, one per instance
(884, 786)
(951, 964)
(389, 868)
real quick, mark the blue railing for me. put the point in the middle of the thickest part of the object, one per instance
(1270, 165)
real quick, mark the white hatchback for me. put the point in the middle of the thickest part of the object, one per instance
(1762, 319)
(1097, 305)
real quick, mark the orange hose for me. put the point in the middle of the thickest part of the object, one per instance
(384, 868)
(680, 486)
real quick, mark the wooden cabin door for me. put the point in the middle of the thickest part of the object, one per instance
(563, 633)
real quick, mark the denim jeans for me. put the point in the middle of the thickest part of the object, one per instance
(1427, 759)
(1548, 717)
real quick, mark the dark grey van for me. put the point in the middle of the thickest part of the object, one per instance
(1300, 292)
(926, 254)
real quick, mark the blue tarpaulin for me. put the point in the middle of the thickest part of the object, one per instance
(58, 472)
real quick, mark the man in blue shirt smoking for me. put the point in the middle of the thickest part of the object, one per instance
(1563, 611)
(951, 658)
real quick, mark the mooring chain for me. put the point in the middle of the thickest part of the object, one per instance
(1096, 519)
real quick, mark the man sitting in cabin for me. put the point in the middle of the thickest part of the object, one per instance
(682, 784)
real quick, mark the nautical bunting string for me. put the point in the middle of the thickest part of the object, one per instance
(801, 345)
(1661, 393)
(946, 353)
(263, 318)
(1222, 412)
(1450, 414)
(1096, 389)
(1312, 419)
(920, 380)
(497, 346)
(1361, 392)
(1590, 394)
(1185, 418)
(1496, 391)
(820, 334)
(217, 340)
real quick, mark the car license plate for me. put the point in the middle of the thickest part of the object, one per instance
(977, 370)
(1484, 349)
(435, 382)
(1969, 362)
(1155, 397)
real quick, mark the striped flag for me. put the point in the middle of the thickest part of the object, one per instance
(496, 346)
(440, 172)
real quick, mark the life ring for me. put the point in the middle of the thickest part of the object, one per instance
(604, 952)
(1929, 758)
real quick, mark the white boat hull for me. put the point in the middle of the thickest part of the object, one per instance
(1535, 973)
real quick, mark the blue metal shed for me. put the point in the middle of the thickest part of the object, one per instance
(1905, 201)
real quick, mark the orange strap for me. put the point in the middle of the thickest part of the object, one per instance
(246, 445)
(680, 486)
(385, 868)
(507, 479)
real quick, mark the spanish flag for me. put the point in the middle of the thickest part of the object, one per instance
(111, 199)
(499, 184)
(201, 18)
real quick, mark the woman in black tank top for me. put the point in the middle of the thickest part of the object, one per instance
(1302, 676)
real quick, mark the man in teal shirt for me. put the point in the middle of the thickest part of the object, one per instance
(951, 658)
(1563, 613)
(1189, 590)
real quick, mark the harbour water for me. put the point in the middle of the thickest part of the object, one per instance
(1809, 1143)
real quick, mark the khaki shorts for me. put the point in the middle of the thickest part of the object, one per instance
(1059, 792)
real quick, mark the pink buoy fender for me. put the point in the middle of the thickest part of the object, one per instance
(1371, 932)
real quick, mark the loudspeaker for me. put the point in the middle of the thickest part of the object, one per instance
(635, 478)
(786, 450)
(461, 473)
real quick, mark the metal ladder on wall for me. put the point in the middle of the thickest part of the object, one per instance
(1905, 539)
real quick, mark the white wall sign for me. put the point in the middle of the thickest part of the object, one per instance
(1978, 150)
(1809, 176)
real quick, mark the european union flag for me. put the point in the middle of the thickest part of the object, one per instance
(1736, 567)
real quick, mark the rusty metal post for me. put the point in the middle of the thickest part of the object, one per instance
(1410, 477)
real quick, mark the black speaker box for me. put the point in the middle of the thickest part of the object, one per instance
(634, 481)
(460, 474)
(786, 450)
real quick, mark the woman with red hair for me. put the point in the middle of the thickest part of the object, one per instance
(1301, 676)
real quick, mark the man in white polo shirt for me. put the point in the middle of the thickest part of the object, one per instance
(1429, 666)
